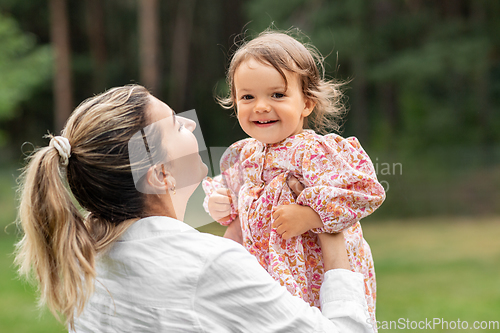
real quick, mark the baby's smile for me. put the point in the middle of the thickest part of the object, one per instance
(265, 123)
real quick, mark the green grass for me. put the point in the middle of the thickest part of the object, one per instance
(444, 268)
(18, 310)
(434, 268)
(438, 267)
(18, 305)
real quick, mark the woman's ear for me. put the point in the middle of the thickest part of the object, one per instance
(159, 179)
(309, 105)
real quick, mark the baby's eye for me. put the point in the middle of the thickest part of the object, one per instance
(278, 95)
(246, 97)
(181, 125)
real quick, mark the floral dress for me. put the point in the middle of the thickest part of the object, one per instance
(340, 185)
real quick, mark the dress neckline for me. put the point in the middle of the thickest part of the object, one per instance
(291, 138)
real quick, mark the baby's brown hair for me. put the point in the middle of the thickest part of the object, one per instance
(283, 52)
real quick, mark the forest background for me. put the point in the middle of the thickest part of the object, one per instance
(423, 92)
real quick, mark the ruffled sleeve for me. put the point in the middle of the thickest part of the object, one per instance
(341, 183)
(230, 177)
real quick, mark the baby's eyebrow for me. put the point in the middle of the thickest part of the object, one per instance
(281, 87)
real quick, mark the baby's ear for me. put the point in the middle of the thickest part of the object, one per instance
(308, 107)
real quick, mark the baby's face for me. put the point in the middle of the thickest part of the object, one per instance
(266, 111)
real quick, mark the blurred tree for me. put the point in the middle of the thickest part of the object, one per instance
(149, 44)
(96, 31)
(424, 76)
(182, 37)
(423, 73)
(23, 67)
(59, 31)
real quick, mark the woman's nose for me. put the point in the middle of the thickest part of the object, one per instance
(189, 124)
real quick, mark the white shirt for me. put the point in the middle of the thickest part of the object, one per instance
(164, 276)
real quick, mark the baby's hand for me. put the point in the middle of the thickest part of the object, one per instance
(219, 205)
(293, 220)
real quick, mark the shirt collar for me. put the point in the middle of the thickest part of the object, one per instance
(154, 226)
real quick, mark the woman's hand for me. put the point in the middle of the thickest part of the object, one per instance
(233, 231)
(219, 205)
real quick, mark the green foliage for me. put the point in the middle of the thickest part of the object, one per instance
(439, 60)
(424, 77)
(23, 66)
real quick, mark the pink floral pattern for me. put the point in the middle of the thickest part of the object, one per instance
(340, 185)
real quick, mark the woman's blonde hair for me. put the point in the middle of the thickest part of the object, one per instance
(286, 53)
(60, 243)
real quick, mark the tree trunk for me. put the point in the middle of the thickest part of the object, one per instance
(97, 43)
(180, 53)
(149, 44)
(59, 31)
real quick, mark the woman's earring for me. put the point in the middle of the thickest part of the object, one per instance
(172, 189)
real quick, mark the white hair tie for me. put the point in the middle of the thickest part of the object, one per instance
(63, 147)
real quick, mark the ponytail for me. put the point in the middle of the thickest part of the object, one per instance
(91, 160)
(56, 246)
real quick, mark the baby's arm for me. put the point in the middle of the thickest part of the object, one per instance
(341, 184)
(221, 191)
(219, 208)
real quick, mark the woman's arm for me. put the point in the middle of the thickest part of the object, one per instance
(334, 251)
(233, 231)
(235, 294)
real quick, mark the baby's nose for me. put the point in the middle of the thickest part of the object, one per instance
(262, 106)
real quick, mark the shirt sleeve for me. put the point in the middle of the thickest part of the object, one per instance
(235, 294)
(230, 178)
(341, 183)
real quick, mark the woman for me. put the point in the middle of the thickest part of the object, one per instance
(129, 264)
